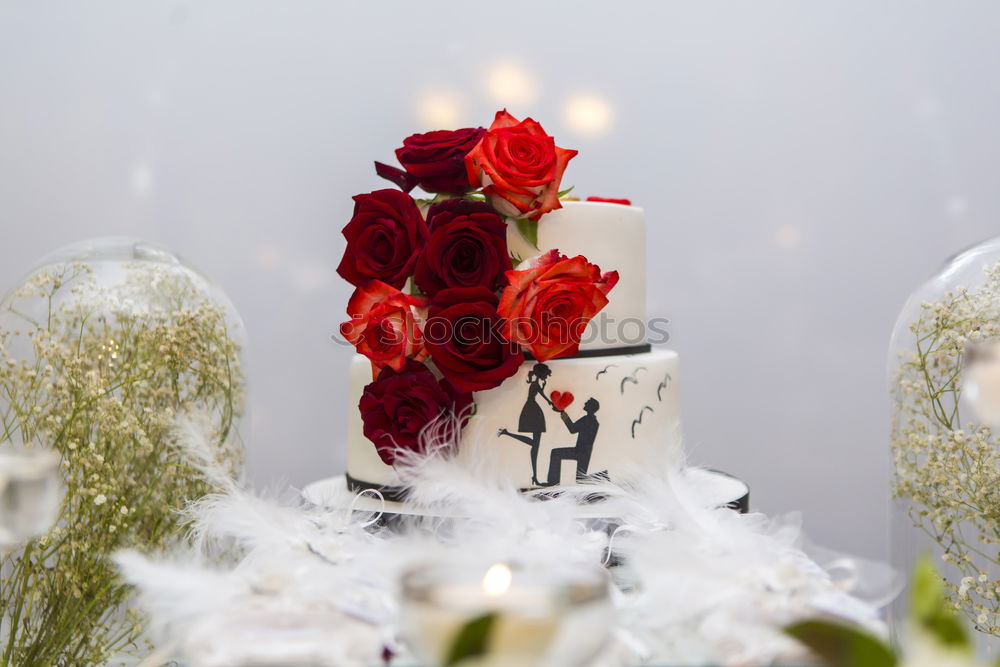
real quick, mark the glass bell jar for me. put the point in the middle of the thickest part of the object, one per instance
(106, 346)
(944, 375)
(125, 319)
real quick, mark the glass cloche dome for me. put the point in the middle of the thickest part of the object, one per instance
(126, 364)
(125, 319)
(944, 373)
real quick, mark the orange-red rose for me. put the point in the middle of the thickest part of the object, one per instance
(549, 303)
(383, 326)
(519, 166)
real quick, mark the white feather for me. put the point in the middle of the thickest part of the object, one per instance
(697, 583)
(195, 438)
(178, 592)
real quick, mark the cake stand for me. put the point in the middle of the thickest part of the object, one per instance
(720, 489)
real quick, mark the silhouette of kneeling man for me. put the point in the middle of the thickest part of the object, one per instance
(586, 429)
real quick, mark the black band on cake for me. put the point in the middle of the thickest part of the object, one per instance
(741, 504)
(396, 494)
(609, 352)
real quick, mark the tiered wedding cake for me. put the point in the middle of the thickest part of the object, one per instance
(635, 389)
(498, 311)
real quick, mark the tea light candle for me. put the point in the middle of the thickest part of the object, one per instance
(540, 616)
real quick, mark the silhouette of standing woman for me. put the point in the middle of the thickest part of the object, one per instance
(532, 418)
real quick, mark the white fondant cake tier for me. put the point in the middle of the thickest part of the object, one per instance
(633, 421)
(612, 236)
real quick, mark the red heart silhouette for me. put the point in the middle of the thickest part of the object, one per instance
(561, 399)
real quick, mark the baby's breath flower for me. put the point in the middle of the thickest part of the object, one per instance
(946, 467)
(110, 368)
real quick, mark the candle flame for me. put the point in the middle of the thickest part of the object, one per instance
(497, 580)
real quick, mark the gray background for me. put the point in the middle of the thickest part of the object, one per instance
(802, 165)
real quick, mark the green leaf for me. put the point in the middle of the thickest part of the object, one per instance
(563, 193)
(436, 199)
(927, 592)
(529, 230)
(515, 259)
(840, 645)
(411, 287)
(472, 640)
(929, 609)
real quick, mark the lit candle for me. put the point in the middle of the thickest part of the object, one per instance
(503, 614)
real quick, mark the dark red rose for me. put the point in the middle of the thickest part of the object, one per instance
(383, 325)
(383, 239)
(610, 200)
(397, 408)
(464, 336)
(548, 303)
(434, 160)
(519, 166)
(467, 247)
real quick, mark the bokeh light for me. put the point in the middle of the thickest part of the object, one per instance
(957, 206)
(511, 85)
(141, 179)
(439, 110)
(788, 237)
(267, 255)
(588, 113)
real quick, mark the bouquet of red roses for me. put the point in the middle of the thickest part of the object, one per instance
(439, 308)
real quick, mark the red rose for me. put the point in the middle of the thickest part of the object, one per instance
(383, 239)
(398, 407)
(467, 247)
(519, 166)
(434, 160)
(549, 304)
(383, 325)
(464, 337)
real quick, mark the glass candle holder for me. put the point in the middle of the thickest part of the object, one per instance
(30, 494)
(475, 613)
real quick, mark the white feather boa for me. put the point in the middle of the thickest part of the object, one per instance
(698, 584)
